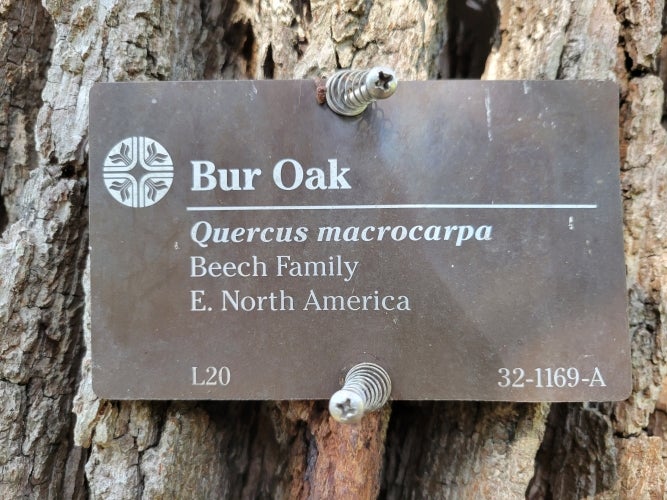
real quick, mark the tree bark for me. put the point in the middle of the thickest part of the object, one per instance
(58, 440)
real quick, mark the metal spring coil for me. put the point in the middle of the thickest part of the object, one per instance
(349, 92)
(370, 382)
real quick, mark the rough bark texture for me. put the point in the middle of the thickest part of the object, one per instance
(56, 445)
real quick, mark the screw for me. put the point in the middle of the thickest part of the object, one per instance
(346, 406)
(349, 92)
(367, 388)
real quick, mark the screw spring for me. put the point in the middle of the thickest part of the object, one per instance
(349, 91)
(367, 388)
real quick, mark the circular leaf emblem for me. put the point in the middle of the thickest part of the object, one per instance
(138, 172)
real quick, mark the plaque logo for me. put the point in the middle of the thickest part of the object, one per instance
(138, 172)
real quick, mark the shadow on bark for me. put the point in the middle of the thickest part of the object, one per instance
(576, 458)
(447, 449)
(473, 30)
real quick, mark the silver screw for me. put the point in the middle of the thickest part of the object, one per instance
(349, 91)
(367, 388)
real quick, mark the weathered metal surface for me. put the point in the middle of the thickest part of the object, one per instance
(492, 213)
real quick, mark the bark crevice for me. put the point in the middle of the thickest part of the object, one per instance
(473, 30)
(26, 42)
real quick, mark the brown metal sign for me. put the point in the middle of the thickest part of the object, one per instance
(248, 243)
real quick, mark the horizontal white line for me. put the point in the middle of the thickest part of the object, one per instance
(385, 207)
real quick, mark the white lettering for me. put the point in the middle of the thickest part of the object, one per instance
(196, 300)
(297, 172)
(457, 234)
(247, 303)
(199, 175)
(337, 180)
(228, 179)
(370, 302)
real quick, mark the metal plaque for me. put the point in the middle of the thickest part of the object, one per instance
(248, 243)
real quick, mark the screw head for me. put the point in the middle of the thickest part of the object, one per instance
(381, 82)
(346, 406)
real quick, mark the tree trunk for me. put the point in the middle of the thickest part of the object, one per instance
(58, 440)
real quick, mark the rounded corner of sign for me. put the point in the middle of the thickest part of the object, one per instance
(101, 389)
(96, 89)
(611, 85)
(624, 392)
(621, 391)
